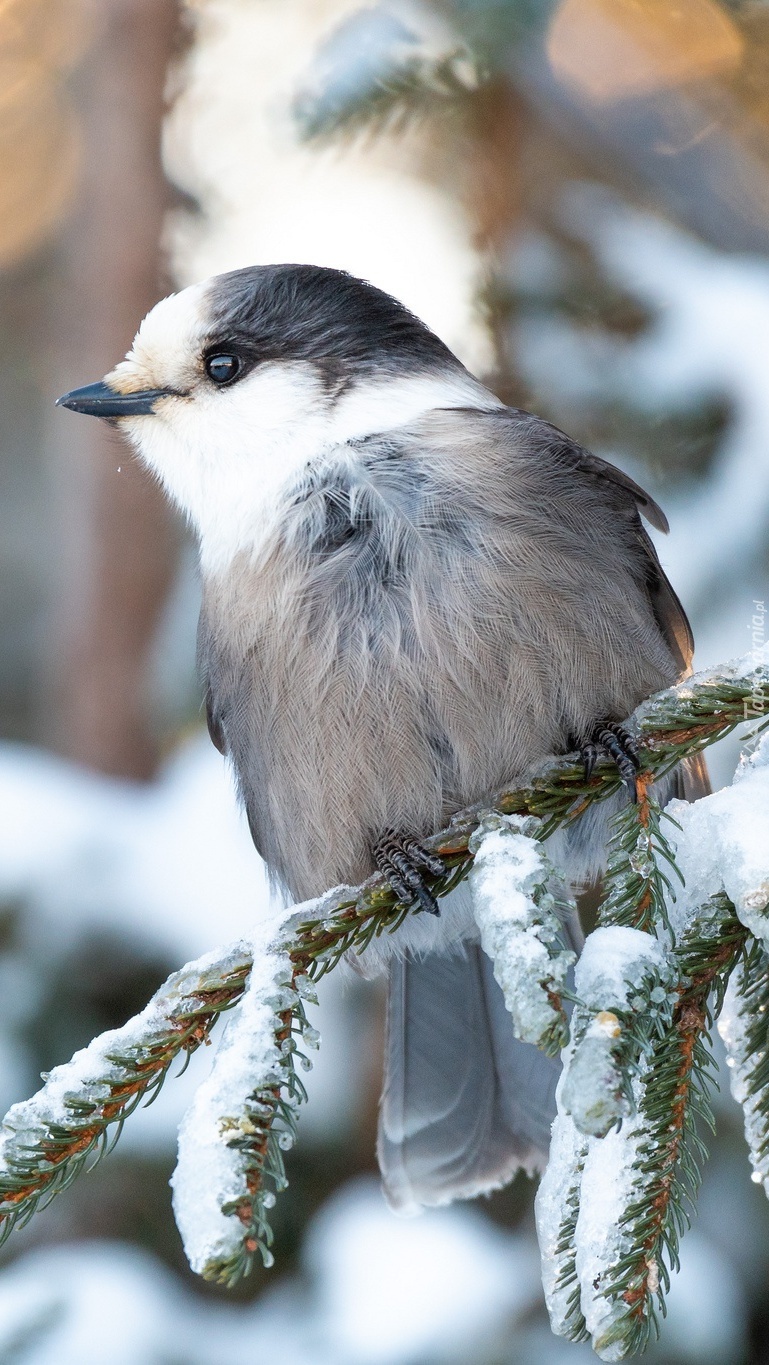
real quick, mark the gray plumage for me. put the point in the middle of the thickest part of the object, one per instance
(444, 625)
(430, 593)
(465, 1103)
(429, 616)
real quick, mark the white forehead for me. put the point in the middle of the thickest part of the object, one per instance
(167, 346)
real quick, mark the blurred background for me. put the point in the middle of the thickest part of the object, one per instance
(575, 195)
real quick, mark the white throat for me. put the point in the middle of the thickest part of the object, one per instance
(226, 457)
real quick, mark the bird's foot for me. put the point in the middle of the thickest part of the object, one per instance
(402, 861)
(608, 738)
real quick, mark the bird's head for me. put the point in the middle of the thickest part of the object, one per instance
(233, 386)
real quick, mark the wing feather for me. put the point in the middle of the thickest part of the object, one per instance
(668, 611)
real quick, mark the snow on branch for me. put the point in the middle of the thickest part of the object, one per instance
(242, 1119)
(626, 1150)
(521, 929)
(62, 1130)
(744, 1028)
(634, 1094)
(622, 986)
(375, 71)
(632, 1188)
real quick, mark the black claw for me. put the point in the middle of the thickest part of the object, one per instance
(427, 901)
(589, 755)
(424, 858)
(399, 886)
(614, 735)
(613, 740)
(407, 871)
(399, 858)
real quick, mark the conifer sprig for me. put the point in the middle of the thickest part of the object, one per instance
(572, 1324)
(398, 95)
(261, 1133)
(676, 1086)
(47, 1141)
(641, 868)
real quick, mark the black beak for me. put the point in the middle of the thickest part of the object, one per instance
(99, 400)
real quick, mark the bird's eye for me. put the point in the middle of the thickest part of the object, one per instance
(223, 368)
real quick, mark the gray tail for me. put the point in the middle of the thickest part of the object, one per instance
(465, 1103)
(692, 779)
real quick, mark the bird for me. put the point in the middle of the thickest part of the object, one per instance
(412, 593)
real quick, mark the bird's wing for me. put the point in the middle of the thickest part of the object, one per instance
(669, 614)
(691, 777)
(206, 662)
(668, 611)
(215, 729)
(601, 469)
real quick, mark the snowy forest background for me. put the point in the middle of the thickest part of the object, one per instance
(576, 197)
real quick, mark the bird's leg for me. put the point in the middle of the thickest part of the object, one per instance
(402, 860)
(614, 740)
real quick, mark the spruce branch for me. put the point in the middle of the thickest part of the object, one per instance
(242, 1120)
(637, 885)
(557, 1211)
(624, 998)
(641, 1058)
(521, 908)
(614, 1201)
(375, 72)
(47, 1141)
(388, 101)
(673, 1097)
(687, 718)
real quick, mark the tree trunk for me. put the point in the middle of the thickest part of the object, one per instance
(118, 540)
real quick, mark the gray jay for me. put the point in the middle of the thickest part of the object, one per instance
(411, 594)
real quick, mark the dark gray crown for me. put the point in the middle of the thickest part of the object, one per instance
(308, 312)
